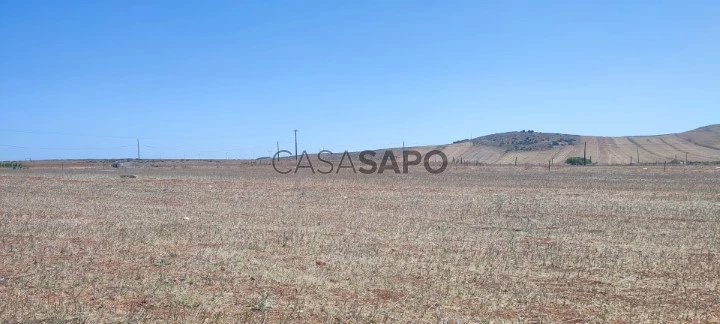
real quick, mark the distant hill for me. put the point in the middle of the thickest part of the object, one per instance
(530, 147)
(525, 140)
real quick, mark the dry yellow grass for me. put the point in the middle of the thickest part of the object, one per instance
(474, 244)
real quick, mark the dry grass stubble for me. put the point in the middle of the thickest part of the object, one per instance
(471, 244)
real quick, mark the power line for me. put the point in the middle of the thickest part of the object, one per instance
(62, 134)
(87, 135)
(197, 150)
(65, 148)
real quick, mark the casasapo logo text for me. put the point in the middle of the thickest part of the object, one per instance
(367, 164)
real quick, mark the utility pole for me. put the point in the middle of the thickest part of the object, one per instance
(277, 144)
(685, 158)
(296, 157)
(637, 147)
(584, 153)
(138, 148)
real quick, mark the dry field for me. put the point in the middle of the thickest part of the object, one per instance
(474, 244)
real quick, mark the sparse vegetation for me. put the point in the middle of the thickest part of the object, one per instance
(578, 160)
(261, 303)
(525, 140)
(12, 165)
(474, 244)
(183, 301)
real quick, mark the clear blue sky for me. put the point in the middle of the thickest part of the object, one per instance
(84, 79)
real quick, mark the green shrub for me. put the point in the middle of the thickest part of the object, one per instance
(14, 165)
(578, 160)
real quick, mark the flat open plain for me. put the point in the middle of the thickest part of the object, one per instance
(241, 243)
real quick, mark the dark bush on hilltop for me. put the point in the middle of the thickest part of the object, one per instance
(578, 160)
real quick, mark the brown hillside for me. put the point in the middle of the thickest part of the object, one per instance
(701, 145)
(537, 148)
